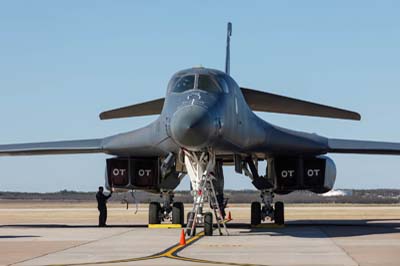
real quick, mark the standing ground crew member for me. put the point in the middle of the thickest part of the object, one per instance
(102, 206)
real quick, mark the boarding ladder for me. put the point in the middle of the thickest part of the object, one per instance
(206, 193)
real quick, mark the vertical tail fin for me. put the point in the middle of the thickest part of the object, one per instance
(228, 49)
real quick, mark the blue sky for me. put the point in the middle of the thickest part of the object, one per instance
(63, 62)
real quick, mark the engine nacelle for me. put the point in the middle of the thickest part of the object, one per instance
(317, 174)
(139, 174)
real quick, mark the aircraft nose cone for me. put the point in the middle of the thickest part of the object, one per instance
(191, 126)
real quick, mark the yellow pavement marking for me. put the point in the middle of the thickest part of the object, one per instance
(170, 253)
(168, 226)
(166, 254)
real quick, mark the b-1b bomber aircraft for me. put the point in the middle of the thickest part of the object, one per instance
(206, 121)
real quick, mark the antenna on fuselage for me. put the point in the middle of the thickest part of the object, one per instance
(228, 49)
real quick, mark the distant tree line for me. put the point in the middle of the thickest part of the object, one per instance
(368, 196)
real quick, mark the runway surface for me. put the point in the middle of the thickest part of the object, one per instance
(307, 241)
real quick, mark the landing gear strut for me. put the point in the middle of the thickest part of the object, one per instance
(201, 168)
(275, 213)
(170, 210)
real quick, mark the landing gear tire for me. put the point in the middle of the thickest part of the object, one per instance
(178, 213)
(154, 213)
(208, 224)
(255, 213)
(190, 220)
(279, 213)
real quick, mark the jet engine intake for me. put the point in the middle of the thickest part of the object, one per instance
(317, 174)
(139, 174)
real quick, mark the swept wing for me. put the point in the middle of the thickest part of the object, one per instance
(153, 107)
(268, 102)
(363, 147)
(56, 147)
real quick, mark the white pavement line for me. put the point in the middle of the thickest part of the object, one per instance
(71, 247)
(334, 242)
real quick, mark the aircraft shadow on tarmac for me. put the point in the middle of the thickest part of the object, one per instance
(329, 228)
(15, 236)
(71, 226)
(295, 228)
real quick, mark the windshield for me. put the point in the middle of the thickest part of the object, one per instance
(207, 83)
(201, 82)
(183, 84)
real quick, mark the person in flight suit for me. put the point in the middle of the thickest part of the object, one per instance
(102, 206)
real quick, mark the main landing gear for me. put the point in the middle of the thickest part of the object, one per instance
(173, 211)
(261, 213)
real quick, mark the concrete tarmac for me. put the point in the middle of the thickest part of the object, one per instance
(304, 241)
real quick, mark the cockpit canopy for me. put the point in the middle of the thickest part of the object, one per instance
(204, 82)
(184, 83)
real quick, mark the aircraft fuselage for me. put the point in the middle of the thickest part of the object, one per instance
(199, 118)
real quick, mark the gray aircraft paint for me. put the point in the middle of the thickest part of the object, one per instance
(227, 132)
(225, 122)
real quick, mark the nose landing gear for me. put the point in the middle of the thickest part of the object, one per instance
(267, 211)
(200, 167)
